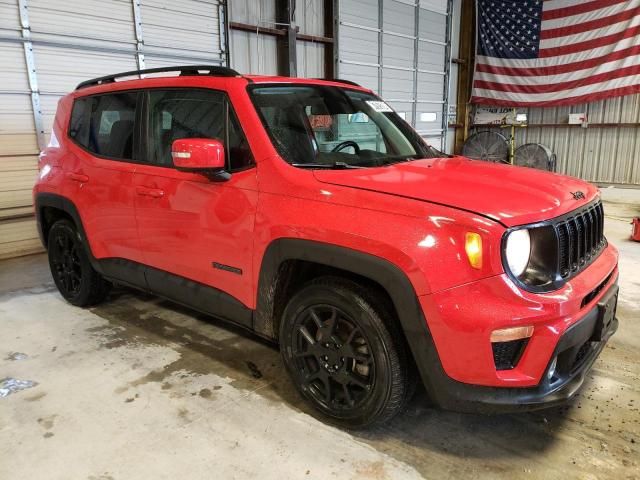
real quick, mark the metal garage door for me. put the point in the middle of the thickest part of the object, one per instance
(48, 46)
(400, 49)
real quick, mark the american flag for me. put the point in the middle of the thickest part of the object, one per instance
(556, 52)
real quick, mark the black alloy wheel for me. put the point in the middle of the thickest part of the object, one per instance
(347, 361)
(71, 269)
(65, 262)
(334, 356)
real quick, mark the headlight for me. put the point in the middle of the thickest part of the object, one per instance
(518, 251)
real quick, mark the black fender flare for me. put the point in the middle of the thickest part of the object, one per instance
(386, 274)
(59, 202)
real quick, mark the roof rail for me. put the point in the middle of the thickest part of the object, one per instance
(340, 80)
(213, 70)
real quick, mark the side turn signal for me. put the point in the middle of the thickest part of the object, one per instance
(473, 247)
(510, 334)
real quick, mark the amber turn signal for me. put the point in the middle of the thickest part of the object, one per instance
(473, 247)
(510, 334)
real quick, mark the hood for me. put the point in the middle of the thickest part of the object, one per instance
(508, 194)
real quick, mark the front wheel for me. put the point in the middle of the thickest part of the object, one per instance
(345, 352)
(71, 269)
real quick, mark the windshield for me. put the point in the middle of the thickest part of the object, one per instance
(317, 126)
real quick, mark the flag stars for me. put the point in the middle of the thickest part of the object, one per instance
(509, 29)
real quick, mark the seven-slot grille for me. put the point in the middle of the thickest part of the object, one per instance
(580, 238)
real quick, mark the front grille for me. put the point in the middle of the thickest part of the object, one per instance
(580, 238)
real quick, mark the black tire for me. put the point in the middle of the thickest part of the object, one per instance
(71, 269)
(345, 353)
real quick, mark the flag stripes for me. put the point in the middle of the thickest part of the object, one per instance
(556, 52)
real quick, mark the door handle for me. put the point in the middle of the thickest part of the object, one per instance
(77, 177)
(149, 192)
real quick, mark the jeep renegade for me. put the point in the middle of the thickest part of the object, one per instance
(311, 213)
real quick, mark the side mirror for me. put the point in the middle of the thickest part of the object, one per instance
(200, 155)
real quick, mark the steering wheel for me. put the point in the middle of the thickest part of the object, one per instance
(345, 144)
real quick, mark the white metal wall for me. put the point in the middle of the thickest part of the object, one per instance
(253, 52)
(598, 154)
(402, 50)
(309, 17)
(257, 53)
(48, 46)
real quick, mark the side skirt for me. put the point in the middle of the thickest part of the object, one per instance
(194, 295)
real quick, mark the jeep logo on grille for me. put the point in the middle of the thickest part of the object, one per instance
(578, 195)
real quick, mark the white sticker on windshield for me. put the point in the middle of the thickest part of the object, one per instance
(379, 106)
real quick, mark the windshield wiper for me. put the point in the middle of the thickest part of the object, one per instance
(334, 165)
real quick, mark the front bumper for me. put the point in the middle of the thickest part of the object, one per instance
(458, 368)
(576, 352)
(461, 321)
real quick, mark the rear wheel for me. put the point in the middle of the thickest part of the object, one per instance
(341, 354)
(72, 272)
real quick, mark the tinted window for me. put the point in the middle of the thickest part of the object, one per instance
(79, 126)
(104, 124)
(176, 114)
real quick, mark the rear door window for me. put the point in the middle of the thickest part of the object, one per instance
(105, 124)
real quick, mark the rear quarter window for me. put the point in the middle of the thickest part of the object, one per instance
(104, 124)
(79, 125)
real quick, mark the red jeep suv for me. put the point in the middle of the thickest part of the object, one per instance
(312, 214)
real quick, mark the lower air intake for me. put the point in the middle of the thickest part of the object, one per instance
(507, 354)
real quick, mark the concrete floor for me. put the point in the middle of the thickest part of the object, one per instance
(140, 388)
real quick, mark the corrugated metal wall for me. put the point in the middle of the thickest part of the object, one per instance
(402, 50)
(18, 139)
(309, 18)
(61, 42)
(597, 154)
(257, 53)
(253, 52)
